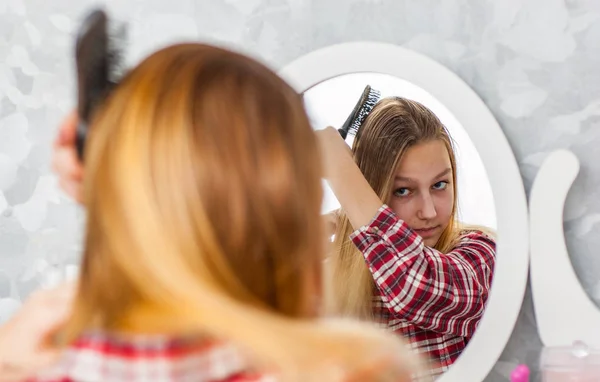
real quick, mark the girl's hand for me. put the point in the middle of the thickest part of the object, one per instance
(65, 161)
(25, 347)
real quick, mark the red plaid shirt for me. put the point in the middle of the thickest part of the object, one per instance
(99, 357)
(435, 300)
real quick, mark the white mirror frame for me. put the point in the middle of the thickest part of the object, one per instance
(566, 301)
(510, 277)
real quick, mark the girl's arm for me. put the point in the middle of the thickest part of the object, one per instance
(25, 340)
(445, 293)
(358, 200)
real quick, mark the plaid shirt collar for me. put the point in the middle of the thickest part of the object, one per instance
(99, 357)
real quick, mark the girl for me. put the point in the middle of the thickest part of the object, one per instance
(412, 266)
(204, 245)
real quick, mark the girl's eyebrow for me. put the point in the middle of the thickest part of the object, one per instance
(405, 179)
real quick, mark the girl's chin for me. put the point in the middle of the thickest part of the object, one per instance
(431, 241)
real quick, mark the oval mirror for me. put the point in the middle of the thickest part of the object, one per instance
(489, 188)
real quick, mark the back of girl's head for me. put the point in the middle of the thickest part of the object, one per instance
(203, 194)
(208, 155)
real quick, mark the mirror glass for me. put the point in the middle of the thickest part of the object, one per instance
(329, 103)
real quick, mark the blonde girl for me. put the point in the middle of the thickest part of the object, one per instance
(204, 242)
(400, 256)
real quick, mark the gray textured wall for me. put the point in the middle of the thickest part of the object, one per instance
(536, 64)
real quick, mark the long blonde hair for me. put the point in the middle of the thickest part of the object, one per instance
(394, 125)
(203, 196)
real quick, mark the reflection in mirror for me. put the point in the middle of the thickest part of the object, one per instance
(423, 265)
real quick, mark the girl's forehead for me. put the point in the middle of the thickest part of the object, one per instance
(424, 157)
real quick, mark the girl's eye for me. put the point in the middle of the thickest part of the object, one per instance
(401, 192)
(440, 185)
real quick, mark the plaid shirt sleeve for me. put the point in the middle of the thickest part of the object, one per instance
(445, 293)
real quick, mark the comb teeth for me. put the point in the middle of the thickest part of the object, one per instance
(369, 103)
(116, 42)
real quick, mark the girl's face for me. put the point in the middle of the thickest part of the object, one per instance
(422, 191)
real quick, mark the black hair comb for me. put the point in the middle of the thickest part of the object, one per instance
(365, 104)
(96, 59)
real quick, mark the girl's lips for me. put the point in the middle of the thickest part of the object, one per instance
(427, 232)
